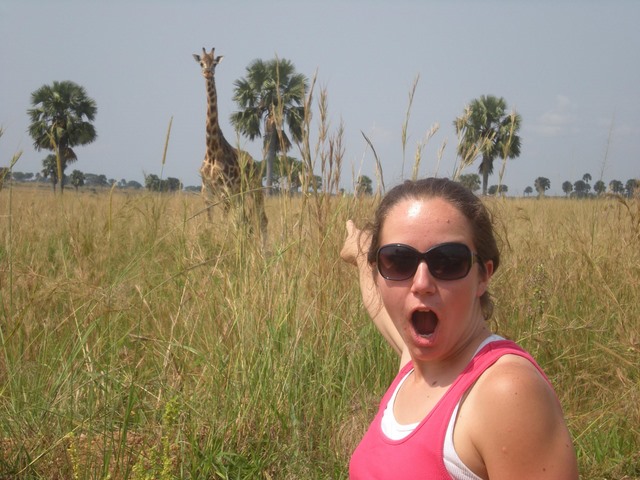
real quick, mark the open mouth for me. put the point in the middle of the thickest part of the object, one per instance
(424, 322)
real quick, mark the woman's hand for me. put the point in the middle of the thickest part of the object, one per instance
(355, 246)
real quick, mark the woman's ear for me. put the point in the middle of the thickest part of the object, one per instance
(485, 277)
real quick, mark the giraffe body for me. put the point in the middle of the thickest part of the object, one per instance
(227, 173)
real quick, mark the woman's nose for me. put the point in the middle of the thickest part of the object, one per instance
(423, 281)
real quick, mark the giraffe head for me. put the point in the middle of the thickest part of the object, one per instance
(208, 62)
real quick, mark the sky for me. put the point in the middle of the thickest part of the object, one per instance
(571, 69)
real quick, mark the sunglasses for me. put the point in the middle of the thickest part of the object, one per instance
(447, 261)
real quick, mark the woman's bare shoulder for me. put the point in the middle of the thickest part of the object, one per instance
(511, 385)
(516, 424)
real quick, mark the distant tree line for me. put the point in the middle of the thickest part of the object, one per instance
(153, 183)
(582, 188)
(49, 174)
(472, 182)
(578, 189)
(287, 179)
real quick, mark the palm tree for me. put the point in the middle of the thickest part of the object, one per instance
(567, 187)
(581, 188)
(50, 169)
(61, 119)
(616, 186)
(541, 184)
(498, 189)
(470, 180)
(287, 174)
(364, 186)
(632, 186)
(487, 130)
(77, 179)
(272, 94)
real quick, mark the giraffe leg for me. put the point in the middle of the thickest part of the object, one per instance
(205, 193)
(257, 192)
(258, 201)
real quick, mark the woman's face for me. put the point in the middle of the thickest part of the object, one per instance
(436, 318)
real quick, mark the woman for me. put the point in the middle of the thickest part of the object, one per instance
(466, 404)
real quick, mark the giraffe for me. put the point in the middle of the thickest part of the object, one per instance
(226, 171)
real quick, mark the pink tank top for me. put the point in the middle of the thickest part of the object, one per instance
(420, 454)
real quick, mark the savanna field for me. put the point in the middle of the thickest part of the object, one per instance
(140, 340)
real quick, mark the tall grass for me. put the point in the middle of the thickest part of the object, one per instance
(143, 342)
(140, 340)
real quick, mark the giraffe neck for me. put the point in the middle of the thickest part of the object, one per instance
(215, 139)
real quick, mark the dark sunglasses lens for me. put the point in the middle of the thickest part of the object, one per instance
(397, 262)
(450, 261)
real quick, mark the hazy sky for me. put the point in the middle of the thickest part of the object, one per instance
(571, 69)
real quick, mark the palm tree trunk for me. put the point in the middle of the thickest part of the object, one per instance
(485, 177)
(60, 171)
(59, 167)
(272, 147)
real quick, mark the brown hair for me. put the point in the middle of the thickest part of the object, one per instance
(461, 198)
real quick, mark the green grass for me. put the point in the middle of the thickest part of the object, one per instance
(140, 340)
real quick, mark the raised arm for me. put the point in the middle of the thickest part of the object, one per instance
(354, 251)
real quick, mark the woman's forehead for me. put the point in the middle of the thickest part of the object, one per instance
(425, 222)
(423, 210)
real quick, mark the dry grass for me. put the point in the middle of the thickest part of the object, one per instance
(137, 337)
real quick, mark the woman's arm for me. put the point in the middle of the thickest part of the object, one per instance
(354, 251)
